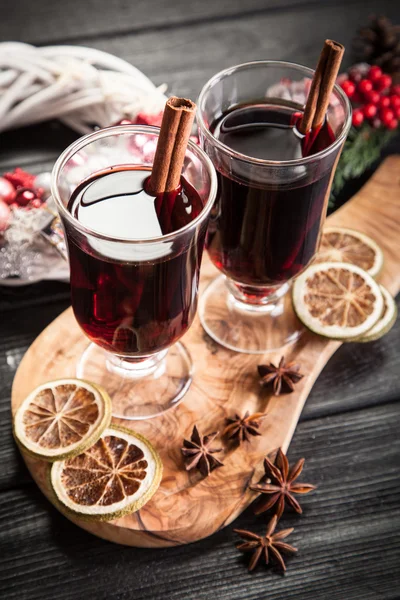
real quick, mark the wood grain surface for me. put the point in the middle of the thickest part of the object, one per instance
(188, 507)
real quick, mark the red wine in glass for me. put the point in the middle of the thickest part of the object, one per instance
(131, 299)
(266, 233)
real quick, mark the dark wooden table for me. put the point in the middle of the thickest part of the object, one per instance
(348, 536)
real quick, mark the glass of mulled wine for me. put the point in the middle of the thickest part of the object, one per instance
(135, 261)
(273, 190)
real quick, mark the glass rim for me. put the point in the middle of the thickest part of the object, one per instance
(83, 141)
(259, 161)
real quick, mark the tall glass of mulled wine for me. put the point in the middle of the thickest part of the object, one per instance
(273, 189)
(134, 261)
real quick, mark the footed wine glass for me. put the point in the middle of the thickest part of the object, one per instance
(133, 288)
(271, 202)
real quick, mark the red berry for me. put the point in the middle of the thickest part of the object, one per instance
(373, 97)
(376, 123)
(387, 116)
(364, 86)
(393, 124)
(384, 102)
(395, 89)
(349, 88)
(374, 73)
(394, 101)
(370, 111)
(397, 112)
(383, 83)
(358, 117)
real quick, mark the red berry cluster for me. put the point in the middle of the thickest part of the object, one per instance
(373, 97)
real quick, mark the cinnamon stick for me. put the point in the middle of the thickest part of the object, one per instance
(174, 135)
(321, 86)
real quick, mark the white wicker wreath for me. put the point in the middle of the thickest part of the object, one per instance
(79, 86)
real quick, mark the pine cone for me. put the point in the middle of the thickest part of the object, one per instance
(379, 44)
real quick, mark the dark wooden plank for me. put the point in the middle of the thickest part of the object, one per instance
(186, 58)
(358, 375)
(348, 536)
(49, 22)
(19, 327)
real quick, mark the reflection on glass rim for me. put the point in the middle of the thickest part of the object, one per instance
(258, 161)
(79, 144)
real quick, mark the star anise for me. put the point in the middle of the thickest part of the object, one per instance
(278, 485)
(242, 428)
(198, 452)
(286, 374)
(264, 546)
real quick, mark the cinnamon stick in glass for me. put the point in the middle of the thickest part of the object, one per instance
(174, 135)
(321, 86)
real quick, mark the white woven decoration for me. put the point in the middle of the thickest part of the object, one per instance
(80, 86)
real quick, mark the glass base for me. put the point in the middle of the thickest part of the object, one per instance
(139, 389)
(252, 328)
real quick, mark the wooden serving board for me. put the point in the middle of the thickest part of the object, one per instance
(187, 507)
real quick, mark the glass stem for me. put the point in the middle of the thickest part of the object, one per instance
(136, 368)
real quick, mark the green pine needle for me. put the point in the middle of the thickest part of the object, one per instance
(361, 149)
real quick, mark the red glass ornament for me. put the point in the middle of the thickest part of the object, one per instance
(364, 86)
(7, 190)
(25, 196)
(5, 214)
(370, 111)
(358, 117)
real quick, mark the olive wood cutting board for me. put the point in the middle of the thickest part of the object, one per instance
(186, 506)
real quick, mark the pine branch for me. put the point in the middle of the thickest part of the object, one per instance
(361, 149)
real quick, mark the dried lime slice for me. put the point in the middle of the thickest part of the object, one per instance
(337, 300)
(114, 477)
(62, 418)
(339, 244)
(385, 323)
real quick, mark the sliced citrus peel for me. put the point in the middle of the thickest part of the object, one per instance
(339, 244)
(62, 418)
(115, 477)
(337, 300)
(385, 323)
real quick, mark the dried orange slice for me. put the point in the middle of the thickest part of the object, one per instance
(114, 477)
(62, 418)
(385, 323)
(347, 245)
(337, 300)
